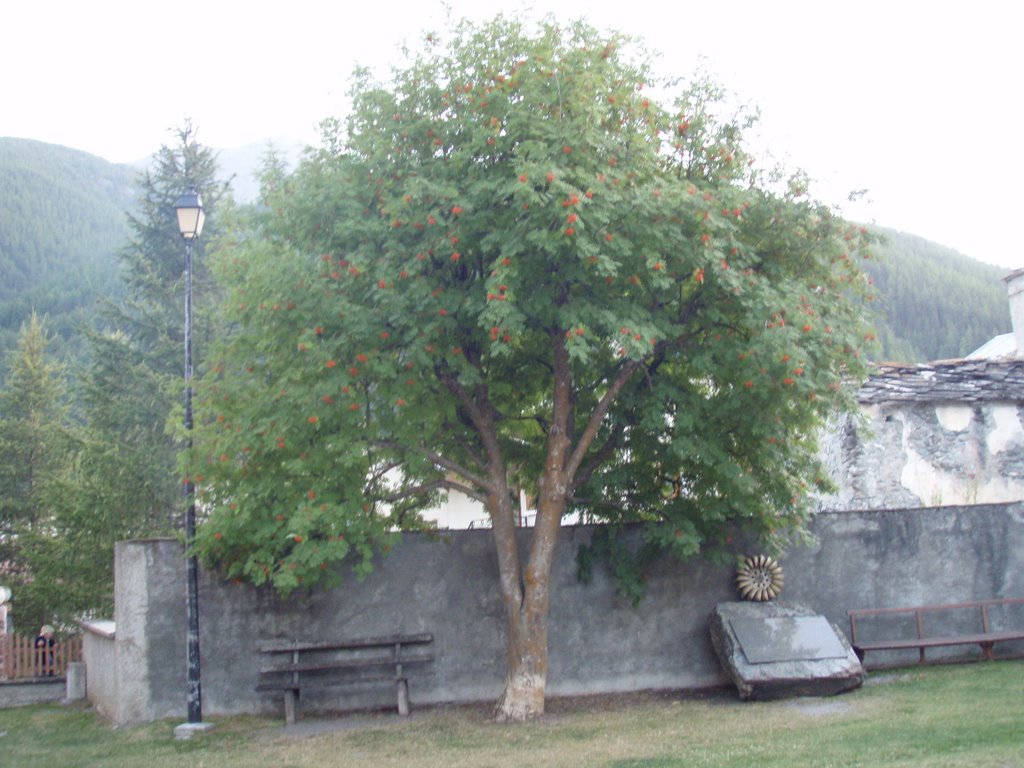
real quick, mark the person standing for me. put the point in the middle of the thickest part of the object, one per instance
(44, 651)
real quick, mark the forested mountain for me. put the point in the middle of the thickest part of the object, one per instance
(936, 303)
(62, 222)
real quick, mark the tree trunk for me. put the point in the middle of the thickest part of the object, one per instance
(526, 592)
(526, 673)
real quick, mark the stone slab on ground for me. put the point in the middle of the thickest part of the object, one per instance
(186, 731)
(790, 651)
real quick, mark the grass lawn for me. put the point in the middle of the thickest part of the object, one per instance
(968, 715)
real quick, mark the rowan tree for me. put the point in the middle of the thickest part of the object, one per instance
(514, 265)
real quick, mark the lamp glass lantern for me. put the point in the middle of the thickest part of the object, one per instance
(191, 215)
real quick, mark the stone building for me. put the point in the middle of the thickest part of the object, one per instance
(948, 432)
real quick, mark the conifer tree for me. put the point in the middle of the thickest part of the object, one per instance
(135, 380)
(120, 479)
(34, 448)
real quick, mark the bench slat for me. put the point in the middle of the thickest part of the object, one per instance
(934, 642)
(857, 612)
(315, 683)
(346, 645)
(324, 666)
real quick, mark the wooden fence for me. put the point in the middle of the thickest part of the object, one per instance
(20, 659)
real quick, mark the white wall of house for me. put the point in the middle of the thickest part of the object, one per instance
(914, 451)
(459, 512)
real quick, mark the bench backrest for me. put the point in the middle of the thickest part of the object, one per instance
(956, 617)
(277, 646)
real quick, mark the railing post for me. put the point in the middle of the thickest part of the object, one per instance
(920, 634)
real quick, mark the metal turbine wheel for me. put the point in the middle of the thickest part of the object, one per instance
(759, 578)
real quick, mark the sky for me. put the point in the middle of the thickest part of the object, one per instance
(917, 102)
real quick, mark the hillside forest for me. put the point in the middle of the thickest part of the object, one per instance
(63, 223)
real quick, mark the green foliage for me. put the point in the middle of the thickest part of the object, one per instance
(124, 481)
(61, 222)
(935, 304)
(114, 475)
(513, 266)
(34, 444)
(33, 410)
(627, 568)
(152, 264)
(133, 388)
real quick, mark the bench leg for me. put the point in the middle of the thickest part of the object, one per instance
(291, 706)
(986, 648)
(403, 697)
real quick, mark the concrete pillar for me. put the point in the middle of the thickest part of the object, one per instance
(149, 611)
(75, 681)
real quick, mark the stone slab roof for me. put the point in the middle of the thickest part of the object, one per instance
(965, 381)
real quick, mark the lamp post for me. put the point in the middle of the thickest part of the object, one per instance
(190, 223)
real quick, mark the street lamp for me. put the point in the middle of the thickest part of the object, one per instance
(190, 223)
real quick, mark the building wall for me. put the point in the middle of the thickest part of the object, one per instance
(941, 434)
(599, 642)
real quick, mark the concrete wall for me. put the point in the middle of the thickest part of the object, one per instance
(21, 693)
(99, 652)
(598, 641)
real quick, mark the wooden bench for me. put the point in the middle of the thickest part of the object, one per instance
(357, 660)
(925, 637)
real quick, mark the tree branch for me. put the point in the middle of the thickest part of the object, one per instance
(381, 472)
(423, 488)
(468, 449)
(458, 469)
(442, 462)
(594, 422)
(599, 457)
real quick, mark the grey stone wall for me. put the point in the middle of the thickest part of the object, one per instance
(599, 642)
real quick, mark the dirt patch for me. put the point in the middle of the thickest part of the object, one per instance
(604, 702)
(556, 708)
